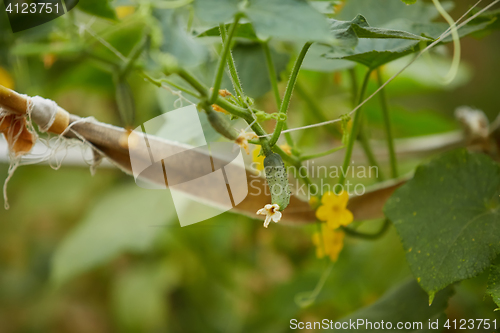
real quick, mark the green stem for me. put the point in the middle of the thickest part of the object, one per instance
(325, 153)
(388, 129)
(135, 54)
(354, 85)
(354, 132)
(357, 234)
(222, 60)
(203, 90)
(316, 109)
(176, 86)
(365, 144)
(305, 299)
(288, 92)
(159, 84)
(235, 110)
(274, 84)
(272, 73)
(194, 82)
(232, 67)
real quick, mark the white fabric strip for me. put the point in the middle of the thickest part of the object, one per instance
(43, 112)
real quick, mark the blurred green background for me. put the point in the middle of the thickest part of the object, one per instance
(82, 253)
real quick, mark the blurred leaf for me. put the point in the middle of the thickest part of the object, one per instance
(376, 52)
(425, 74)
(125, 219)
(123, 37)
(407, 303)
(138, 297)
(101, 8)
(407, 123)
(252, 69)
(215, 11)
(62, 49)
(177, 42)
(387, 13)
(244, 30)
(409, 2)
(494, 284)
(315, 60)
(288, 19)
(448, 218)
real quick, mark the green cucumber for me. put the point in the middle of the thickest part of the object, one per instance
(277, 180)
(221, 125)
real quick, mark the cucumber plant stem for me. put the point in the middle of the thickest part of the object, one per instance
(288, 92)
(272, 73)
(355, 129)
(388, 129)
(325, 153)
(232, 67)
(222, 60)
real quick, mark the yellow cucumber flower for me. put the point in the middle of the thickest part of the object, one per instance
(328, 242)
(258, 160)
(333, 210)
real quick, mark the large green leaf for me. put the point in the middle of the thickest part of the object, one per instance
(386, 13)
(348, 32)
(252, 69)
(494, 283)
(138, 296)
(406, 303)
(448, 218)
(394, 15)
(177, 42)
(376, 52)
(243, 30)
(126, 219)
(215, 11)
(101, 8)
(288, 19)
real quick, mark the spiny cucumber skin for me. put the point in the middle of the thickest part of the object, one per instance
(277, 180)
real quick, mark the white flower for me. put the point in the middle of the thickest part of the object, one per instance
(272, 213)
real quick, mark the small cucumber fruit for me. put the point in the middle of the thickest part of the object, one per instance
(277, 180)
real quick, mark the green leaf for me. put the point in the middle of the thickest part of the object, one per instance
(178, 42)
(406, 303)
(125, 219)
(373, 52)
(409, 2)
(349, 32)
(315, 60)
(376, 52)
(101, 8)
(244, 30)
(252, 69)
(493, 288)
(387, 13)
(448, 218)
(138, 296)
(215, 11)
(288, 19)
